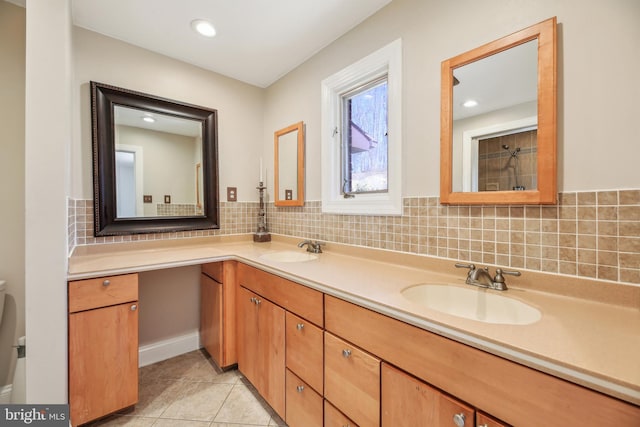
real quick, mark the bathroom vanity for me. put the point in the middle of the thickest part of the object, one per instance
(332, 341)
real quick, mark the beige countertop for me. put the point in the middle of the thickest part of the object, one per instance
(589, 332)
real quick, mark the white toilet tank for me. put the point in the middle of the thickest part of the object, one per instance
(3, 287)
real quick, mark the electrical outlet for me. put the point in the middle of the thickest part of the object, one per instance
(232, 194)
(147, 198)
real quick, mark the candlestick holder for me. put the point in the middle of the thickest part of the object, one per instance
(262, 235)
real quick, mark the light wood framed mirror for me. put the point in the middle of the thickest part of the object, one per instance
(502, 150)
(289, 165)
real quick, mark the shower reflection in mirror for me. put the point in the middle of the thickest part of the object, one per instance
(495, 105)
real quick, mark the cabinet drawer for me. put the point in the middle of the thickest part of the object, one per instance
(352, 381)
(335, 418)
(484, 420)
(214, 270)
(102, 292)
(304, 353)
(304, 405)
(305, 302)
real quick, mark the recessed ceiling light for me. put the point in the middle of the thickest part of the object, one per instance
(203, 27)
(470, 103)
(149, 119)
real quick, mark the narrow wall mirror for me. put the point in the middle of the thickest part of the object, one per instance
(498, 121)
(289, 165)
(154, 163)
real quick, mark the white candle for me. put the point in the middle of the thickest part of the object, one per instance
(261, 170)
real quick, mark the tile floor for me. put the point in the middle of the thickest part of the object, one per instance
(190, 391)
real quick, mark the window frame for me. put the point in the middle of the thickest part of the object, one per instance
(385, 61)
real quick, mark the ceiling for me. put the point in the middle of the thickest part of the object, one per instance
(498, 81)
(257, 41)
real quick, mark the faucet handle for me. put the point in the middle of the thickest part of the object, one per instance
(317, 246)
(499, 275)
(471, 267)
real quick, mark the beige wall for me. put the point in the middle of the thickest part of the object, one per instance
(12, 68)
(240, 106)
(169, 304)
(597, 92)
(595, 37)
(110, 61)
(169, 164)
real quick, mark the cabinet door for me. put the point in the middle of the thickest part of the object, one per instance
(335, 418)
(211, 321)
(409, 402)
(261, 332)
(248, 356)
(304, 405)
(103, 355)
(452, 412)
(352, 381)
(406, 401)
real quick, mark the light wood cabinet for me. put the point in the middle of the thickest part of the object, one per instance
(352, 380)
(304, 405)
(261, 346)
(304, 355)
(484, 420)
(103, 346)
(409, 402)
(514, 393)
(334, 418)
(217, 312)
(302, 342)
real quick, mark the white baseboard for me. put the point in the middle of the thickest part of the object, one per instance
(5, 394)
(167, 349)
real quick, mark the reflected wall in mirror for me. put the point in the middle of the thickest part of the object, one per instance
(498, 121)
(289, 165)
(155, 163)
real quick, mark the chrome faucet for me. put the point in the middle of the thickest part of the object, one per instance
(313, 246)
(481, 277)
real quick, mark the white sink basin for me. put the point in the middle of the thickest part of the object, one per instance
(472, 303)
(289, 256)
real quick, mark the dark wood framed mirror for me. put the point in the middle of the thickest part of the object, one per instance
(155, 163)
(505, 152)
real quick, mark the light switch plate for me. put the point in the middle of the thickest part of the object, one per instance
(232, 194)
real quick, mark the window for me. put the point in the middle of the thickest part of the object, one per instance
(361, 136)
(364, 139)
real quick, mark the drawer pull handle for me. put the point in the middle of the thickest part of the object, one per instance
(258, 301)
(483, 425)
(459, 419)
(134, 307)
(300, 326)
(106, 282)
(300, 388)
(346, 352)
